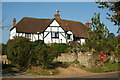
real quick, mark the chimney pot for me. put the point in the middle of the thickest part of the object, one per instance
(87, 24)
(14, 22)
(57, 15)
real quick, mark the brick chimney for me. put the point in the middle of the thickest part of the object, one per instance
(57, 15)
(87, 24)
(14, 22)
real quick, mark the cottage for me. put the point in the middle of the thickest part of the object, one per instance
(54, 30)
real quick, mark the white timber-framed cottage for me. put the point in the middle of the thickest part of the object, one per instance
(54, 30)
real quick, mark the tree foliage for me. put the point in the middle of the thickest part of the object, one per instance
(60, 47)
(111, 35)
(43, 56)
(3, 48)
(18, 50)
(98, 36)
(114, 7)
(23, 52)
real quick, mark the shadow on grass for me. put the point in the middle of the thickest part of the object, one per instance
(9, 70)
(59, 64)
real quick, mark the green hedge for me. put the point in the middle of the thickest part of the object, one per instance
(18, 50)
(23, 52)
(60, 47)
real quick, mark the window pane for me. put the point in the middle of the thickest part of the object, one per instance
(55, 35)
(68, 36)
(28, 35)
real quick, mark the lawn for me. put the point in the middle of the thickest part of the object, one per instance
(40, 71)
(107, 67)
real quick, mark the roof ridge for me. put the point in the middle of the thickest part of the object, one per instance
(71, 21)
(53, 19)
(35, 18)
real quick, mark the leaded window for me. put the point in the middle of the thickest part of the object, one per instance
(27, 35)
(55, 35)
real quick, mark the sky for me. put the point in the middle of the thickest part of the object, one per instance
(50, 0)
(76, 11)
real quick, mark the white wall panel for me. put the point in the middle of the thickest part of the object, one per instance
(47, 39)
(12, 33)
(54, 23)
(48, 29)
(62, 38)
(61, 30)
(54, 29)
(82, 41)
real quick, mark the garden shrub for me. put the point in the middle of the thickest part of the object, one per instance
(43, 56)
(73, 43)
(3, 48)
(23, 52)
(18, 50)
(60, 47)
(99, 40)
(35, 45)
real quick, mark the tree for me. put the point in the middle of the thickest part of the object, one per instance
(115, 8)
(2, 22)
(111, 35)
(43, 55)
(23, 52)
(97, 35)
(33, 55)
(18, 50)
(60, 47)
(4, 49)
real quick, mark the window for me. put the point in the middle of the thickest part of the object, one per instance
(55, 34)
(28, 35)
(68, 36)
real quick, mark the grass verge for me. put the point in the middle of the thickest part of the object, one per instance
(107, 67)
(40, 71)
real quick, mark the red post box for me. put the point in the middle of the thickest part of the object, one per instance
(101, 57)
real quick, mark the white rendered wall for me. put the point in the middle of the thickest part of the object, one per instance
(54, 27)
(82, 41)
(71, 37)
(47, 39)
(62, 39)
(35, 37)
(12, 33)
(54, 23)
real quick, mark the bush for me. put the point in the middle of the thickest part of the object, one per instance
(3, 48)
(43, 55)
(33, 55)
(18, 50)
(23, 52)
(60, 47)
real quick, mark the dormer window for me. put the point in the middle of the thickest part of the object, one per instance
(55, 35)
(68, 36)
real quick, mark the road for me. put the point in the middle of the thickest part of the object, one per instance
(102, 76)
(70, 73)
